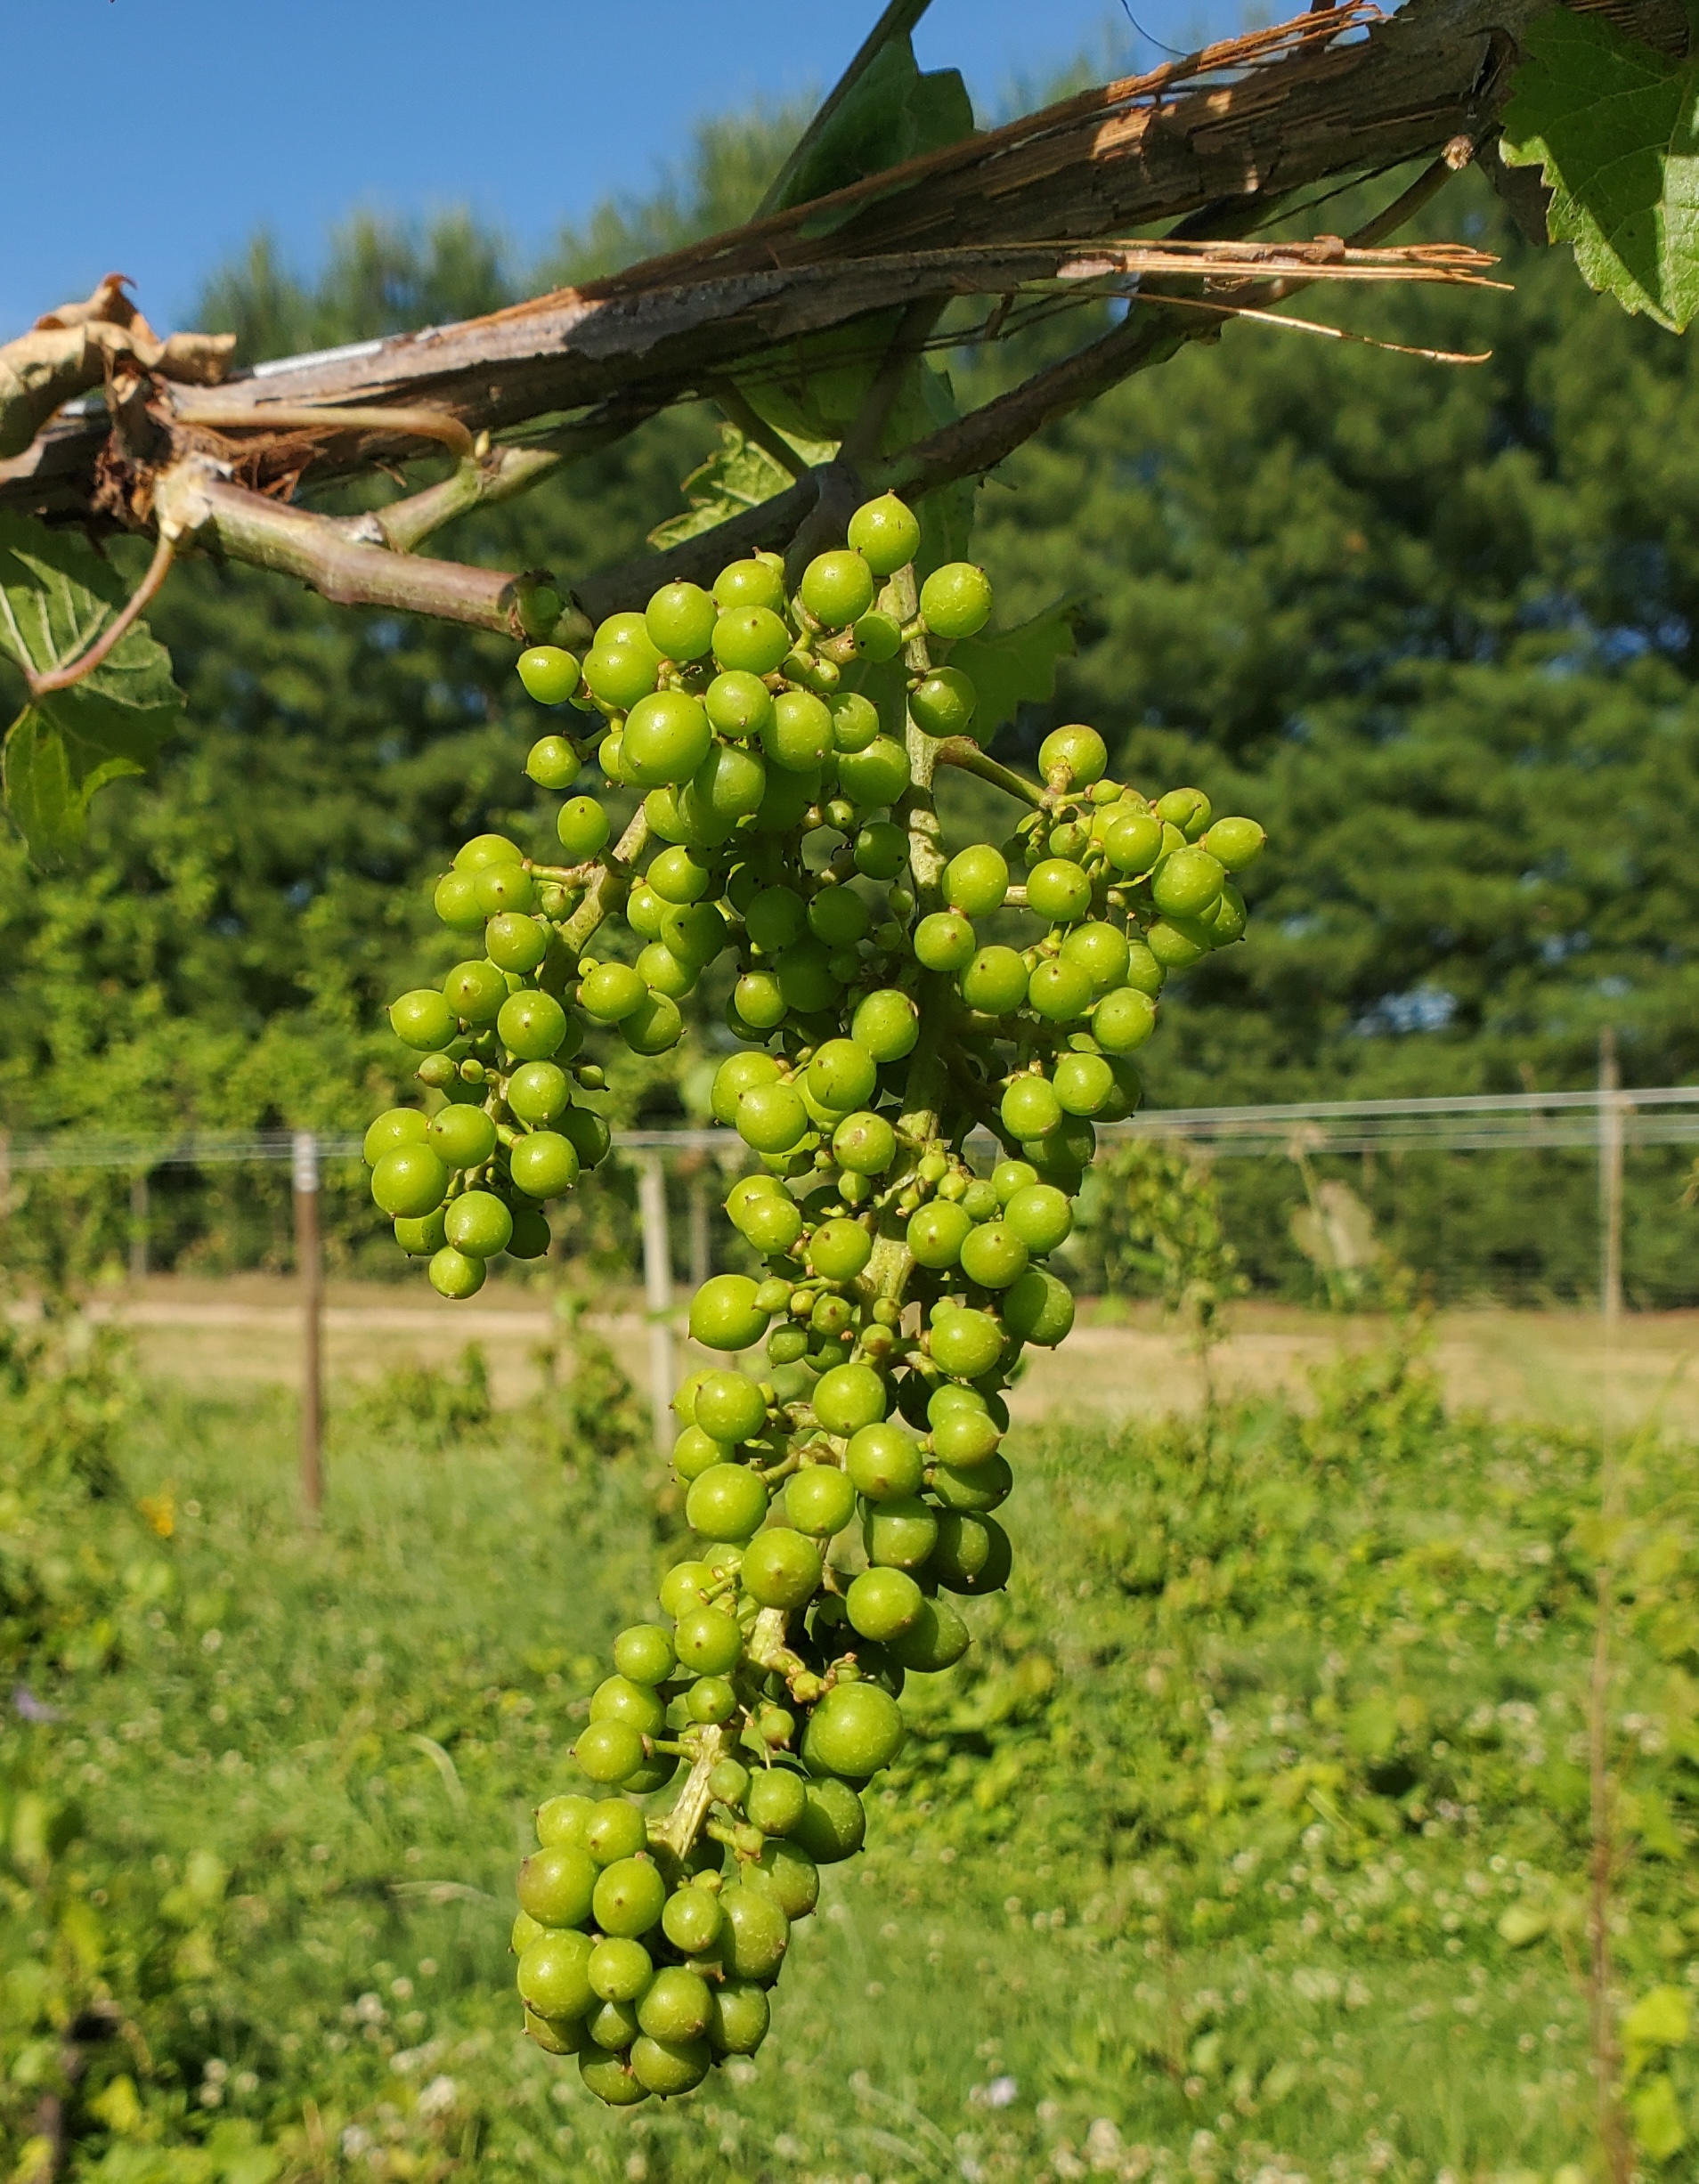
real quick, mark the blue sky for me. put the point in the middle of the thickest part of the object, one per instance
(152, 137)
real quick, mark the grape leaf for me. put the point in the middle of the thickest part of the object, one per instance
(1613, 128)
(56, 596)
(1012, 668)
(739, 474)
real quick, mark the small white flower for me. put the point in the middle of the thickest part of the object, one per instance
(437, 2098)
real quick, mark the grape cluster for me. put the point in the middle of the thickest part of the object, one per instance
(842, 1485)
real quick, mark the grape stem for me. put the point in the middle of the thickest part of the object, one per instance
(682, 1825)
(608, 890)
(958, 750)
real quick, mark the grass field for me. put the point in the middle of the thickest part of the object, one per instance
(1250, 1842)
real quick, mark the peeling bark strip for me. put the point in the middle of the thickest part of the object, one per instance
(1214, 136)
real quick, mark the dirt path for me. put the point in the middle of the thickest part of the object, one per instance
(1550, 1365)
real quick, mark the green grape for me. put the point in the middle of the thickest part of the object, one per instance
(758, 1000)
(738, 704)
(691, 1921)
(1059, 991)
(972, 1553)
(995, 982)
(976, 882)
(694, 1452)
(1057, 889)
(771, 1117)
(621, 675)
(423, 1020)
(682, 1587)
(612, 2025)
(554, 1975)
(589, 1134)
(531, 1235)
(611, 2079)
(1186, 883)
(942, 702)
(1123, 1020)
(544, 1165)
(838, 1250)
(665, 739)
(820, 1501)
(1040, 1215)
(724, 1314)
(630, 1896)
(876, 776)
(608, 1751)
(679, 621)
(531, 1027)
(1185, 809)
(548, 674)
(776, 917)
(838, 916)
(503, 886)
(678, 877)
(955, 600)
(756, 1933)
(583, 827)
(865, 1144)
(848, 1397)
(619, 1969)
(1030, 1109)
(423, 1235)
(410, 1182)
(730, 1407)
(855, 720)
(514, 942)
(1083, 1084)
(611, 992)
(964, 1438)
(1012, 1175)
(737, 1075)
(881, 849)
(1078, 754)
(1235, 843)
(1177, 943)
(678, 2005)
(899, 1534)
(759, 581)
(788, 1874)
(936, 1232)
(966, 1344)
(729, 784)
(474, 992)
(479, 1224)
(727, 1502)
(837, 588)
(484, 849)
(856, 1730)
(777, 1801)
(887, 1023)
(806, 978)
(563, 1820)
(882, 1603)
(553, 762)
(975, 1487)
(1227, 920)
(455, 1274)
(944, 941)
(1100, 951)
(1038, 1309)
(936, 1639)
(654, 1026)
(395, 1127)
(644, 1652)
(455, 900)
(979, 1200)
(709, 1643)
(750, 639)
(556, 1885)
(781, 1568)
(773, 1226)
(842, 1075)
(885, 533)
(993, 1254)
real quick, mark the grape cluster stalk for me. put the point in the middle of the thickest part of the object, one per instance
(841, 1487)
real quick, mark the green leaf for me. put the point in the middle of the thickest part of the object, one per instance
(1658, 2124)
(1660, 2019)
(891, 113)
(1612, 125)
(740, 474)
(56, 597)
(1011, 667)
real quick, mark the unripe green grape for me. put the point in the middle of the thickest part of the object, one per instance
(955, 600)
(834, 1822)
(737, 1075)
(608, 1751)
(798, 735)
(972, 1553)
(621, 675)
(554, 1975)
(842, 1075)
(850, 1396)
(544, 1165)
(771, 1117)
(758, 999)
(1029, 1108)
(1040, 1215)
(855, 720)
(643, 1652)
(899, 1534)
(423, 1236)
(608, 756)
(653, 1027)
(538, 1092)
(725, 1316)
(611, 2078)
(1057, 889)
(993, 1255)
(1123, 1020)
(806, 978)
(729, 1406)
(1059, 991)
(691, 1921)
(563, 1820)
(781, 1569)
(549, 675)
(1132, 840)
(936, 1232)
(935, 1640)
(756, 1933)
(695, 1452)
(1012, 1175)
(678, 877)
(838, 916)
(1187, 883)
(886, 533)
(1227, 920)
(619, 1969)
(461, 1135)
(630, 1896)
(484, 849)
(503, 886)
(665, 739)
(1038, 1309)
(679, 621)
(886, 1024)
(758, 582)
(531, 1026)
(943, 702)
(474, 992)
(728, 1503)
(837, 588)
(995, 982)
(967, 1343)
(976, 882)
(878, 637)
(1100, 950)
(669, 2066)
(455, 900)
(1143, 972)
(772, 1226)
(944, 941)
(856, 1730)
(979, 1201)
(777, 1800)
(1076, 752)
(589, 1135)
(964, 1438)
(556, 1885)
(883, 1602)
(865, 1144)
(514, 942)
(729, 784)
(1177, 943)
(1186, 808)
(682, 1587)
(479, 1224)
(613, 1828)
(661, 972)
(610, 992)
(709, 1642)
(583, 827)
(456, 1274)
(530, 1235)
(410, 1182)
(1235, 842)
(750, 639)
(556, 2035)
(1083, 1084)
(839, 1250)
(776, 916)
(875, 776)
(819, 1500)
(625, 628)
(678, 2006)
(787, 1871)
(395, 1127)
(976, 1488)
(738, 704)
(881, 849)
